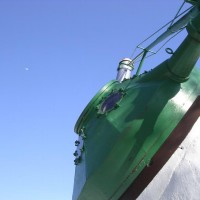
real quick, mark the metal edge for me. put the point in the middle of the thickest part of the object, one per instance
(164, 153)
(89, 106)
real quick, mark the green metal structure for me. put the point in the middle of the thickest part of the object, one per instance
(127, 123)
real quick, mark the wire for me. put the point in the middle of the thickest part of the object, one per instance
(177, 14)
(133, 52)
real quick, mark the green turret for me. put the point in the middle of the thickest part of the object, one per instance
(131, 127)
(182, 62)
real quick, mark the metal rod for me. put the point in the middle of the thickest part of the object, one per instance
(177, 14)
(175, 27)
(141, 62)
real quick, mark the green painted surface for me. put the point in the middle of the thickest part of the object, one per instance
(126, 123)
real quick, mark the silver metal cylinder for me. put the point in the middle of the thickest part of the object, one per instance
(124, 69)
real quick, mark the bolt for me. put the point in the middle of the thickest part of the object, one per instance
(82, 149)
(117, 106)
(83, 136)
(181, 147)
(82, 130)
(99, 115)
(150, 163)
(121, 90)
(124, 94)
(97, 108)
(75, 153)
(77, 143)
(77, 160)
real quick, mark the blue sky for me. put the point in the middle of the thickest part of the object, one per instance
(54, 56)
